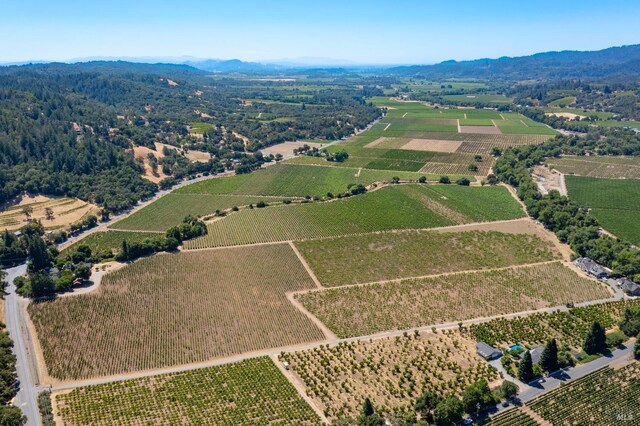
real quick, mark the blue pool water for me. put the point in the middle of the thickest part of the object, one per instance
(516, 347)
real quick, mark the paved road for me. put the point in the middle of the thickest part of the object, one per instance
(15, 321)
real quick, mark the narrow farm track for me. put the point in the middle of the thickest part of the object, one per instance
(305, 264)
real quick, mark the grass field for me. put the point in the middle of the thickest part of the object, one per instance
(395, 207)
(171, 209)
(102, 242)
(361, 310)
(384, 256)
(614, 202)
(601, 167)
(248, 392)
(174, 309)
(392, 371)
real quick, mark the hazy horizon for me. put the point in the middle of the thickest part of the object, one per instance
(357, 33)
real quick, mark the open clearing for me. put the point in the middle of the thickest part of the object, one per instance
(392, 371)
(248, 392)
(404, 207)
(614, 202)
(368, 309)
(65, 211)
(602, 167)
(174, 309)
(286, 148)
(387, 256)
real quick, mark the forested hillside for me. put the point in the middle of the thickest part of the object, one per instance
(70, 129)
(612, 62)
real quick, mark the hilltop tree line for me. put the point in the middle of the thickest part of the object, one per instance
(69, 129)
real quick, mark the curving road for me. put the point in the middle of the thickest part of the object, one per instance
(16, 325)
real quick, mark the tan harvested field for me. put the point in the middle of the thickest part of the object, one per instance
(481, 130)
(368, 309)
(432, 145)
(601, 167)
(175, 309)
(65, 211)
(286, 148)
(391, 371)
(404, 254)
(567, 115)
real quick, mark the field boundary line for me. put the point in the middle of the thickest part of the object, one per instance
(328, 334)
(305, 264)
(405, 114)
(458, 120)
(420, 277)
(502, 116)
(385, 129)
(299, 387)
(525, 124)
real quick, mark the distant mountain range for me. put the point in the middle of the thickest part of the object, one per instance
(621, 61)
(614, 62)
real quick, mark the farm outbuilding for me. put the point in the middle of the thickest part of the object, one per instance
(487, 352)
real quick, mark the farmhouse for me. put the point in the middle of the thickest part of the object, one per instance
(591, 267)
(487, 352)
(536, 353)
(629, 287)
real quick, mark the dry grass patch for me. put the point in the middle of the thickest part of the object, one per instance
(286, 148)
(367, 309)
(65, 211)
(176, 309)
(392, 371)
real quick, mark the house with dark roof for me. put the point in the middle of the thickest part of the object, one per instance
(591, 267)
(536, 353)
(629, 287)
(487, 352)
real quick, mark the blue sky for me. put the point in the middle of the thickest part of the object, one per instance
(363, 32)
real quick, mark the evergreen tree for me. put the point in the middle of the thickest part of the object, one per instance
(124, 251)
(38, 253)
(549, 357)
(596, 340)
(525, 370)
(636, 350)
(367, 408)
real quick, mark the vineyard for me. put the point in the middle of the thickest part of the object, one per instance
(176, 309)
(605, 397)
(389, 208)
(248, 392)
(391, 371)
(567, 327)
(171, 209)
(600, 167)
(614, 202)
(102, 242)
(512, 417)
(361, 310)
(385, 256)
